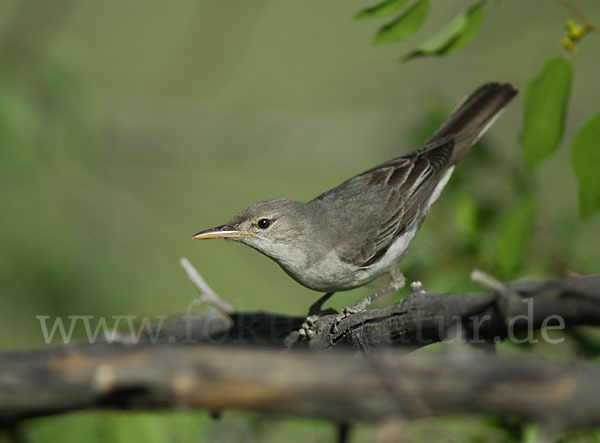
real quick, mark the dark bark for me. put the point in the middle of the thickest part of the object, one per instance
(235, 362)
(419, 319)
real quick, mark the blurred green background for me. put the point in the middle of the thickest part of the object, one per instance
(127, 126)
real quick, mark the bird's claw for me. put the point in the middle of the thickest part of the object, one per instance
(312, 320)
(417, 287)
(348, 311)
(308, 329)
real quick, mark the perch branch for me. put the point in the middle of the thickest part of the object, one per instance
(163, 370)
(417, 320)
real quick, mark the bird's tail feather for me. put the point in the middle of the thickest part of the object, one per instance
(473, 116)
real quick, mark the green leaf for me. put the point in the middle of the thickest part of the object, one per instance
(467, 217)
(513, 238)
(453, 36)
(545, 108)
(405, 24)
(532, 433)
(585, 161)
(474, 17)
(383, 9)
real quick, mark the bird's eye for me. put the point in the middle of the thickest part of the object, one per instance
(263, 223)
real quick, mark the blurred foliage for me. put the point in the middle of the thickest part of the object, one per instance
(383, 9)
(546, 98)
(513, 239)
(456, 34)
(585, 160)
(118, 427)
(126, 127)
(545, 109)
(405, 25)
(451, 37)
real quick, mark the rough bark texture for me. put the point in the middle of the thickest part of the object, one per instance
(235, 362)
(424, 317)
(419, 319)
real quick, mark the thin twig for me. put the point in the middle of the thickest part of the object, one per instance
(579, 15)
(486, 281)
(508, 297)
(489, 282)
(208, 295)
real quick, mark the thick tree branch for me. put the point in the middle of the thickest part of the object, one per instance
(424, 317)
(164, 370)
(419, 319)
(339, 385)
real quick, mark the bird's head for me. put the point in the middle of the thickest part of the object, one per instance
(269, 226)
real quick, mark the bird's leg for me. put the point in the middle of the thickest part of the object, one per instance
(308, 328)
(396, 282)
(315, 308)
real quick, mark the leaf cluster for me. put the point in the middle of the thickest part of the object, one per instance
(546, 98)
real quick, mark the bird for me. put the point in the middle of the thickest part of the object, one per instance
(361, 229)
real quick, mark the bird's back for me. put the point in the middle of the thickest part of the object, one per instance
(386, 204)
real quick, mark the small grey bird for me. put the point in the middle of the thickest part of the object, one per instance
(361, 229)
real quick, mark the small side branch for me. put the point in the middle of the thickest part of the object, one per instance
(207, 294)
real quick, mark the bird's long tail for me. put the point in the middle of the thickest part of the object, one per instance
(473, 116)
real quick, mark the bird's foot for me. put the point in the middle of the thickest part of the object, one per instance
(350, 310)
(417, 287)
(397, 281)
(308, 329)
(316, 307)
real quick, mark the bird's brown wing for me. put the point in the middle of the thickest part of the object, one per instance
(383, 202)
(397, 198)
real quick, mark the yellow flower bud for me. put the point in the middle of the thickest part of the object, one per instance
(575, 31)
(567, 43)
